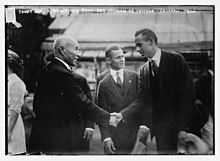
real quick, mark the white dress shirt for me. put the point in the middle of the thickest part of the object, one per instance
(156, 57)
(114, 74)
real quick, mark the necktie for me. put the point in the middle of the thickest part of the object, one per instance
(154, 68)
(118, 79)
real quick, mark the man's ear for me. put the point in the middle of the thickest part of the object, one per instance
(108, 61)
(151, 41)
(61, 50)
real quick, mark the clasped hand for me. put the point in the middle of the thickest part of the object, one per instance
(115, 118)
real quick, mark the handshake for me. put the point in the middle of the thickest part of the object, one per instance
(115, 118)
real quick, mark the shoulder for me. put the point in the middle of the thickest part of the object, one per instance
(131, 73)
(105, 79)
(79, 78)
(103, 74)
(174, 57)
(16, 83)
(171, 54)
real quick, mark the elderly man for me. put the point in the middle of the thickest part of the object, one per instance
(59, 103)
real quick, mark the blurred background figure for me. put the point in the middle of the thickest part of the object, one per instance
(204, 86)
(16, 93)
(200, 138)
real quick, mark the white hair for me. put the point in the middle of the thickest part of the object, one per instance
(64, 41)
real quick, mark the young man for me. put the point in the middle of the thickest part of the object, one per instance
(166, 96)
(117, 90)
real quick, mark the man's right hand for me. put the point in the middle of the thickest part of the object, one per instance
(143, 135)
(109, 147)
(115, 118)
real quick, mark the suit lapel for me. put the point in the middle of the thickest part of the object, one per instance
(163, 66)
(127, 82)
(145, 73)
(112, 88)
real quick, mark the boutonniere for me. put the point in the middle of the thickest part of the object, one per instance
(129, 81)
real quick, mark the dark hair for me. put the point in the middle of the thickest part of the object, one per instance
(147, 34)
(110, 48)
(15, 63)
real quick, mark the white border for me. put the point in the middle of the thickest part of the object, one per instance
(101, 2)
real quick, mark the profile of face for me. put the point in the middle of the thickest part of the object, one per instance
(70, 53)
(144, 47)
(117, 59)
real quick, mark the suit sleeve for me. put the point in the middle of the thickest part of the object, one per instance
(74, 93)
(139, 105)
(187, 93)
(103, 103)
(88, 123)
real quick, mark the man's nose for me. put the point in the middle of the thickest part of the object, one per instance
(77, 55)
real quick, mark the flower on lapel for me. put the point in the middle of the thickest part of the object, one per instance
(129, 81)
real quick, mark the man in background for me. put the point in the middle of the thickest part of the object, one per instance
(117, 90)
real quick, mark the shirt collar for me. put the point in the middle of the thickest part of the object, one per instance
(156, 57)
(64, 63)
(113, 72)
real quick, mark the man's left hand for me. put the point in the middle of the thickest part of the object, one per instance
(88, 134)
(115, 118)
(182, 137)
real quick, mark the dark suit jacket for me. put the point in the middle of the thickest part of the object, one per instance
(110, 99)
(98, 79)
(85, 122)
(176, 89)
(58, 104)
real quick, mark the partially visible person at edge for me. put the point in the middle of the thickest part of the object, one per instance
(200, 140)
(16, 93)
(116, 90)
(166, 95)
(59, 103)
(205, 93)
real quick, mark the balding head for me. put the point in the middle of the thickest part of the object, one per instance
(64, 41)
(67, 49)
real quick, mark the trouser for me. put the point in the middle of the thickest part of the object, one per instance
(166, 137)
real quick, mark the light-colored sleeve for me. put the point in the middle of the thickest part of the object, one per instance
(16, 96)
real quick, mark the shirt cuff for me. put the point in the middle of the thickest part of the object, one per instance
(144, 127)
(107, 139)
(90, 129)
